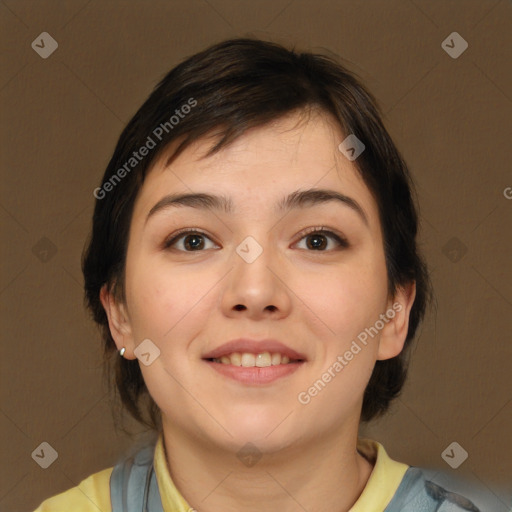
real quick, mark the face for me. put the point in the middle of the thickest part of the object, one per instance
(310, 275)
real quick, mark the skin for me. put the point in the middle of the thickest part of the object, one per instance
(186, 303)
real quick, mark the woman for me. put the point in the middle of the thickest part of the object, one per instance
(254, 262)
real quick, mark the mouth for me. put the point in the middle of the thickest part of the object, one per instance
(254, 362)
(249, 360)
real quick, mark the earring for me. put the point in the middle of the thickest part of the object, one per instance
(122, 351)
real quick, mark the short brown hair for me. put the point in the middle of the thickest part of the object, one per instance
(236, 85)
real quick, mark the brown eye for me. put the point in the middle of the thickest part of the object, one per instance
(319, 240)
(316, 241)
(193, 242)
(189, 241)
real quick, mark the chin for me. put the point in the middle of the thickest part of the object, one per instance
(247, 442)
(263, 428)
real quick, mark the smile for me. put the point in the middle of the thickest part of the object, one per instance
(254, 369)
(248, 360)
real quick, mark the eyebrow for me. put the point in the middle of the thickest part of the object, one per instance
(297, 199)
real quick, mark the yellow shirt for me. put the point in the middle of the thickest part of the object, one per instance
(93, 493)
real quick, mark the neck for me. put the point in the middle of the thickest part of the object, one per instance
(329, 476)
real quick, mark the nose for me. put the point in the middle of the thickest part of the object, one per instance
(257, 289)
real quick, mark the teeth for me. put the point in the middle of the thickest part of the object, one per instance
(235, 359)
(276, 359)
(249, 360)
(263, 360)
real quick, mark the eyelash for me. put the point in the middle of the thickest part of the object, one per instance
(342, 241)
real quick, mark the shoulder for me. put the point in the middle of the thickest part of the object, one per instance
(429, 490)
(90, 495)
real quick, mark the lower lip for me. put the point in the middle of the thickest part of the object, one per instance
(255, 375)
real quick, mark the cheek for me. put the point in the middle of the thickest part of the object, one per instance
(347, 299)
(165, 298)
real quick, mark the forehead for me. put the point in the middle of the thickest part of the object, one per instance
(261, 166)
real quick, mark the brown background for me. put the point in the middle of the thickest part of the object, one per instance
(61, 117)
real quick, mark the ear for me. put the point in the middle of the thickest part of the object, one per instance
(118, 321)
(394, 333)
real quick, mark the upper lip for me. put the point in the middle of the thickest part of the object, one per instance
(250, 346)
